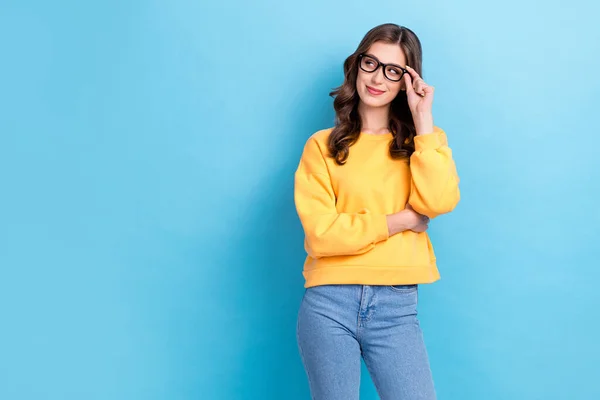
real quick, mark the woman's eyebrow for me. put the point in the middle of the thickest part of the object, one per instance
(392, 64)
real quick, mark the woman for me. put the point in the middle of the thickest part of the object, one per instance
(365, 191)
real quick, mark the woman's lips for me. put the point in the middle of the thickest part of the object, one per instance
(374, 91)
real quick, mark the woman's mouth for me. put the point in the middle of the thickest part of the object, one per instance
(374, 91)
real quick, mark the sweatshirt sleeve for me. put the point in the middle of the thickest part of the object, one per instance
(328, 232)
(434, 182)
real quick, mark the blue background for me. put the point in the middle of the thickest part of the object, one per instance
(149, 246)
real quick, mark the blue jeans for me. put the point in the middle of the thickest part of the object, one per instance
(337, 324)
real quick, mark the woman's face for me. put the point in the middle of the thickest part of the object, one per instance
(374, 89)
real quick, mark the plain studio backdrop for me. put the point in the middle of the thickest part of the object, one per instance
(149, 244)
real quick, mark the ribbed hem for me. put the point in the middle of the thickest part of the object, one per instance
(383, 232)
(367, 275)
(373, 136)
(427, 141)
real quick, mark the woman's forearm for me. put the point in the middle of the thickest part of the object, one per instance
(398, 222)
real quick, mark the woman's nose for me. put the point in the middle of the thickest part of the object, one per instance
(377, 76)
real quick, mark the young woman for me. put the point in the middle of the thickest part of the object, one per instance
(365, 191)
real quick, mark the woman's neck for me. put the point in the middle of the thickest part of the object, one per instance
(374, 120)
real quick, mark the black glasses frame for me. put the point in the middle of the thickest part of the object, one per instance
(380, 64)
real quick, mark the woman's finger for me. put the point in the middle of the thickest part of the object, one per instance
(420, 85)
(409, 85)
(413, 74)
(428, 91)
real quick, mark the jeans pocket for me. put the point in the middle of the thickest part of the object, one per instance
(410, 288)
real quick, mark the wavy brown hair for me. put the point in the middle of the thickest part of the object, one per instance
(347, 121)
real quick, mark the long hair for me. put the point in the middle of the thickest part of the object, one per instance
(347, 121)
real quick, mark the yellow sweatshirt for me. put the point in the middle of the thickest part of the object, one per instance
(343, 209)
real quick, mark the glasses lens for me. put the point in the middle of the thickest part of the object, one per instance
(393, 73)
(368, 64)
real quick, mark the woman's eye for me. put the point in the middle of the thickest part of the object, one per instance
(394, 71)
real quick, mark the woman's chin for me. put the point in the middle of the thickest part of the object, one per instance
(373, 103)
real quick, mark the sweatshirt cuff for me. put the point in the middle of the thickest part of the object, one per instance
(428, 141)
(382, 230)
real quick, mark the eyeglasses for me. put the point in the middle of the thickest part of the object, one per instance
(369, 63)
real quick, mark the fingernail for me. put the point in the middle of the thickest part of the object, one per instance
(407, 66)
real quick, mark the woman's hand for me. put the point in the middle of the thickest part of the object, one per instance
(418, 222)
(407, 219)
(420, 98)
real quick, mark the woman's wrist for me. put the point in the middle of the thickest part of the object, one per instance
(423, 123)
(397, 222)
